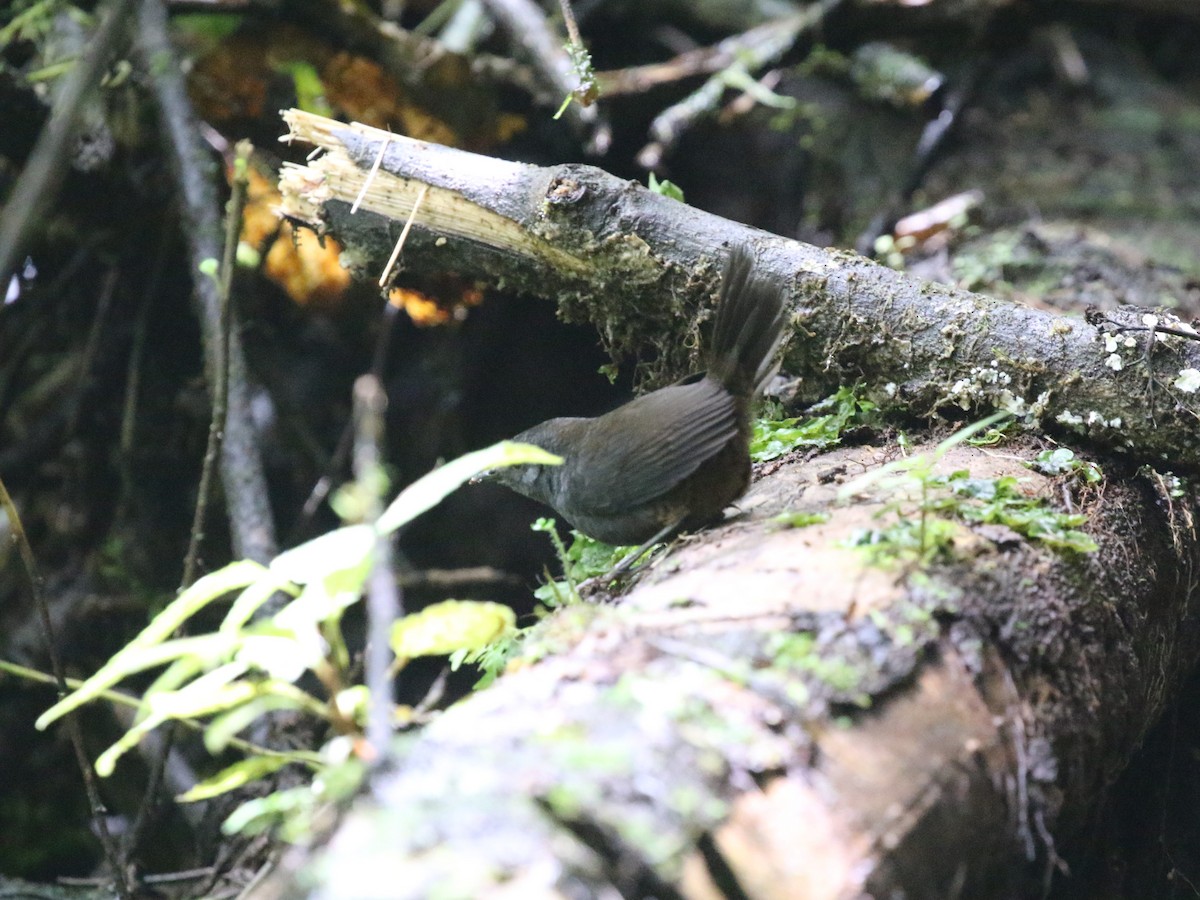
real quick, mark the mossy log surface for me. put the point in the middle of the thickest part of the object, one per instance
(767, 714)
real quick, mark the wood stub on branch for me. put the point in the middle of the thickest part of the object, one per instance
(769, 714)
(633, 262)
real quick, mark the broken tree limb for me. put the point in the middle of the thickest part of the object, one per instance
(772, 713)
(633, 262)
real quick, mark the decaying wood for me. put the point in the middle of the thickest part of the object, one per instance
(633, 261)
(767, 714)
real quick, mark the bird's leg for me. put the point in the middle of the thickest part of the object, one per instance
(625, 564)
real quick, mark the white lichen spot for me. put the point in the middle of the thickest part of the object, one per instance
(890, 389)
(1130, 342)
(1110, 343)
(1150, 321)
(1038, 409)
(1009, 402)
(1094, 418)
(961, 392)
(1115, 362)
(965, 390)
(1066, 417)
(1188, 381)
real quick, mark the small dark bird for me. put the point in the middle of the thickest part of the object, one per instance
(673, 459)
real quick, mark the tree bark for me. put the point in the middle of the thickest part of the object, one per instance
(633, 262)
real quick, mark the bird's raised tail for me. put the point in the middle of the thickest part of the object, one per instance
(748, 327)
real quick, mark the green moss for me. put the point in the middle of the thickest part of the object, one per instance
(1062, 461)
(585, 558)
(921, 523)
(998, 501)
(799, 655)
(836, 414)
(798, 519)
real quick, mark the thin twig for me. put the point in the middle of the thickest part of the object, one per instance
(321, 489)
(530, 31)
(383, 594)
(38, 183)
(391, 263)
(568, 15)
(456, 578)
(219, 392)
(111, 850)
(133, 369)
(220, 373)
(216, 430)
(158, 768)
(160, 878)
(90, 349)
(671, 124)
(341, 452)
(700, 61)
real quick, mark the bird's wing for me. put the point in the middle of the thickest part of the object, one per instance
(644, 448)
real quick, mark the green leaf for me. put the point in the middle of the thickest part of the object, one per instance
(1054, 462)
(264, 813)
(212, 587)
(307, 84)
(342, 549)
(107, 760)
(792, 519)
(133, 659)
(291, 812)
(352, 703)
(1062, 461)
(428, 491)
(442, 628)
(281, 654)
(233, 777)
(214, 691)
(226, 726)
(321, 601)
(182, 670)
(253, 597)
(772, 438)
(333, 569)
(217, 691)
(665, 187)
